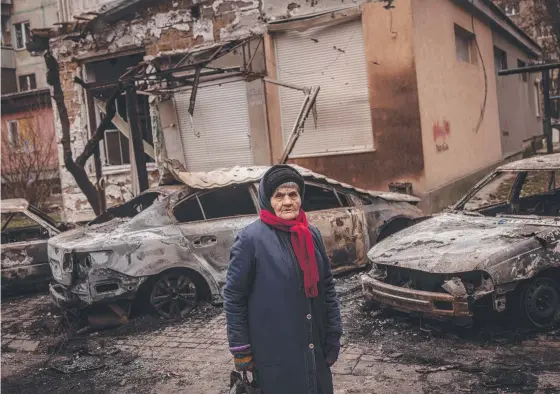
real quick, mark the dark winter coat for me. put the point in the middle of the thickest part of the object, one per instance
(265, 304)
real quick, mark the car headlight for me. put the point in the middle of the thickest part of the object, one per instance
(98, 259)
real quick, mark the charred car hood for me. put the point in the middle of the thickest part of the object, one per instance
(454, 242)
(92, 237)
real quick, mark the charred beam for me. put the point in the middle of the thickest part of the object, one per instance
(136, 137)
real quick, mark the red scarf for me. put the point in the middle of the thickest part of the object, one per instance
(302, 242)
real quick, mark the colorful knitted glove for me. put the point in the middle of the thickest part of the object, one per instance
(242, 357)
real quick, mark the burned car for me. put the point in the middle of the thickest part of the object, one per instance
(498, 248)
(25, 232)
(175, 252)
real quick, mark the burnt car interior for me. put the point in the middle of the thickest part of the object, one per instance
(128, 209)
(236, 200)
(518, 193)
(18, 227)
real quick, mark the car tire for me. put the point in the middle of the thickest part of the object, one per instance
(173, 294)
(540, 302)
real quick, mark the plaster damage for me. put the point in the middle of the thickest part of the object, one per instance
(153, 30)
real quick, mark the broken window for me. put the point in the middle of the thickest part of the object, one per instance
(464, 45)
(227, 202)
(22, 34)
(188, 210)
(500, 59)
(27, 82)
(317, 198)
(538, 182)
(220, 203)
(495, 192)
(116, 146)
(18, 227)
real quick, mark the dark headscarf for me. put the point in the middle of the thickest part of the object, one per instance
(278, 175)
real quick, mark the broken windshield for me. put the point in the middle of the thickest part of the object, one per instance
(494, 192)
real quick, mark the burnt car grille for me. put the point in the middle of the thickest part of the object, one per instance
(427, 281)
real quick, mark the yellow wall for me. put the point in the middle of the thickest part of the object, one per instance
(451, 94)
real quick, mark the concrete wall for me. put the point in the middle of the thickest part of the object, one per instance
(39, 14)
(452, 94)
(391, 67)
(516, 101)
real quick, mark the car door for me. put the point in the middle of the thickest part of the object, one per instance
(210, 220)
(24, 251)
(342, 226)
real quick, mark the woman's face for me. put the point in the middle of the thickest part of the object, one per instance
(286, 203)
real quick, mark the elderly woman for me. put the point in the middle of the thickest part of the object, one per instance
(282, 312)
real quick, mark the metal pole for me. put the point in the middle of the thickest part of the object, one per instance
(136, 137)
(298, 127)
(530, 69)
(547, 110)
(96, 154)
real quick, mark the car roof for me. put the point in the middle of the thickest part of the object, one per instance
(240, 175)
(536, 163)
(14, 205)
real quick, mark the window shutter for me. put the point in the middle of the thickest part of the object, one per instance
(333, 58)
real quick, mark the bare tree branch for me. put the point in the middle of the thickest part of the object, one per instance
(77, 168)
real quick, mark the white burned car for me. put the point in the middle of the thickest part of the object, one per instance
(171, 244)
(497, 249)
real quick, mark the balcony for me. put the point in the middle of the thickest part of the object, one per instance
(8, 58)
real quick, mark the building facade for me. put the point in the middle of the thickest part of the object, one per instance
(27, 119)
(407, 94)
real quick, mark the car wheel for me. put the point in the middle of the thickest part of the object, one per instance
(173, 294)
(540, 302)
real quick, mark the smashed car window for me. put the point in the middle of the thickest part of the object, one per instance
(128, 209)
(188, 211)
(539, 194)
(18, 227)
(538, 182)
(317, 198)
(227, 202)
(494, 192)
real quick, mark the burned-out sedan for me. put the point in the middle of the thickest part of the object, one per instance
(498, 249)
(175, 252)
(25, 232)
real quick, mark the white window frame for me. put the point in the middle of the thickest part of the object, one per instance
(23, 34)
(27, 77)
(10, 127)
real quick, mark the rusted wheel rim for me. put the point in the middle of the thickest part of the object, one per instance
(542, 302)
(174, 295)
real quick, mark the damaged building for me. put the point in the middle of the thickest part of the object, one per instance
(406, 94)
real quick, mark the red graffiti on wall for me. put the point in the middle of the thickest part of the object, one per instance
(441, 132)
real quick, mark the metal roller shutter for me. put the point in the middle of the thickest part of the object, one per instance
(221, 135)
(332, 57)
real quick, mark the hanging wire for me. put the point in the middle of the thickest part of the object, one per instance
(483, 108)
